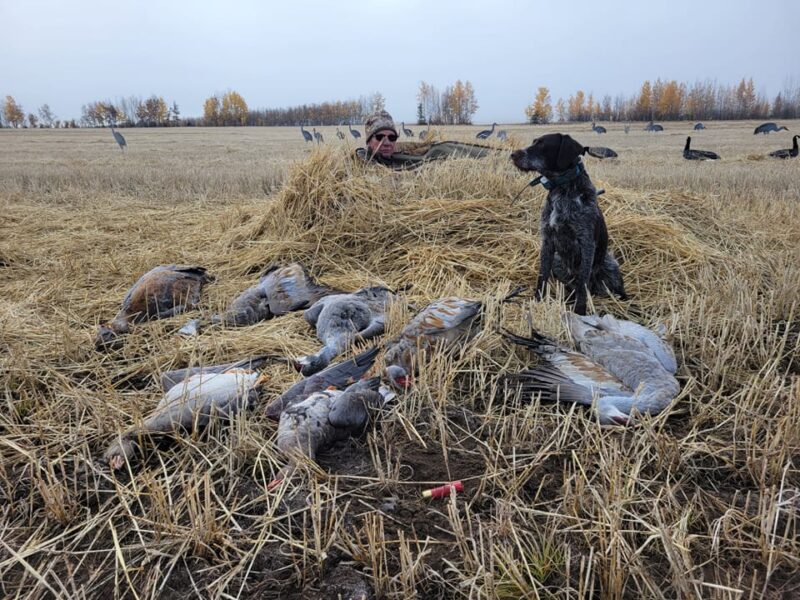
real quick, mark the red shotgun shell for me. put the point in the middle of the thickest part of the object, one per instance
(443, 490)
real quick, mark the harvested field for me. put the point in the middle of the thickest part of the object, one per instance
(701, 501)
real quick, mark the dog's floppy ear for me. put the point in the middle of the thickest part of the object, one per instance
(568, 152)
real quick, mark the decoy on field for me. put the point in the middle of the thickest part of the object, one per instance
(482, 135)
(120, 140)
(690, 154)
(621, 367)
(766, 128)
(406, 131)
(502, 135)
(598, 128)
(699, 126)
(354, 132)
(162, 292)
(653, 127)
(339, 134)
(600, 152)
(306, 135)
(787, 152)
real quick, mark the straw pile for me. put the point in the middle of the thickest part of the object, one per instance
(703, 495)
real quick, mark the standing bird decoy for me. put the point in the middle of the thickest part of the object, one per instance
(406, 131)
(482, 135)
(281, 289)
(354, 132)
(766, 128)
(600, 152)
(627, 127)
(441, 324)
(162, 292)
(502, 135)
(699, 126)
(120, 140)
(690, 154)
(653, 127)
(787, 152)
(306, 135)
(423, 135)
(318, 136)
(621, 367)
(309, 427)
(340, 319)
(189, 406)
(339, 134)
(598, 128)
(337, 376)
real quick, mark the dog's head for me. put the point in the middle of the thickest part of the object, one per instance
(550, 153)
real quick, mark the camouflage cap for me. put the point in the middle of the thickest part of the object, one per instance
(377, 121)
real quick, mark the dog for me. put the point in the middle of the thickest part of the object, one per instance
(574, 234)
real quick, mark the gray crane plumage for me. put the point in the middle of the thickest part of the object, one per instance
(306, 135)
(482, 135)
(598, 128)
(766, 128)
(338, 376)
(280, 289)
(502, 135)
(600, 152)
(354, 132)
(340, 319)
(120, 140)
(406, 131)
(699, 126)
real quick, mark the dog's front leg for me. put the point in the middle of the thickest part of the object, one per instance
(545, 264)
(582, 284)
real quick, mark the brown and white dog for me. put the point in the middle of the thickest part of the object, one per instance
(574, 234)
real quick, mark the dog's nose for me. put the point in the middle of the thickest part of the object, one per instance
(516, 154)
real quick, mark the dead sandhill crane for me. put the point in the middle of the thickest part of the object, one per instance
(406, 131)
(306, 135)
(482, 135)
(769, 127)
(690, 154)
(621, 368)
(787, 152)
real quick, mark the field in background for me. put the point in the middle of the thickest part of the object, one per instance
(702, 501)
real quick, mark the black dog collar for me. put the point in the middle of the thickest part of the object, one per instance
(559, 179)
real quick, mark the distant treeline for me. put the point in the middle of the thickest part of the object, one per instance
(658, 101)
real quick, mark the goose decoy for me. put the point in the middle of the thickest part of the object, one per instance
(598, 128)
(619, 365)
(766, 128)
(189, 406)
(600, 152)
(690, 154)
(280, 289)
(787, 152)
(162, 292)
(482, 135)
(327, 416)
(306, 135)
(441, 323)
(337, 376)
(502, 135)
(406, 131)
(699, 126)
(342, 318)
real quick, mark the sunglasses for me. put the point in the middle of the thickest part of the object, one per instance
(379, 136)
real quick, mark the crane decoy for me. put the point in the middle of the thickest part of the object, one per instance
(600, 152)
(787, 152)
(337, 376)
(653, 127)
(342, 318)
(766, 128)
(306, 135)
(354, 132)
(621, 367)
(482, 135)
(441, 324)
(690, 154)
(502, 135)
(318, 136)
(598, 128)
(280, 289)
(339, 134)
(162, 292)
(190, 406)
(699, 126)
(406, 131)
(627, 127)
(423, 135)
(310, 426)
(120, 140)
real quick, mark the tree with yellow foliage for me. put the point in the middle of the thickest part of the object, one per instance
(211, 108)
(643, 102)
(577, 109)
(541, 110)
(13, 113)
(234, 109)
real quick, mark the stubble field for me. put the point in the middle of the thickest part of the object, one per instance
(701, 501)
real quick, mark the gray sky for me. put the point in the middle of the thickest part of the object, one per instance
(68, 53)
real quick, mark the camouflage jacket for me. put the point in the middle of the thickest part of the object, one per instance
(415, 156)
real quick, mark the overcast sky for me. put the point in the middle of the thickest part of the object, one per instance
(279, 53)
